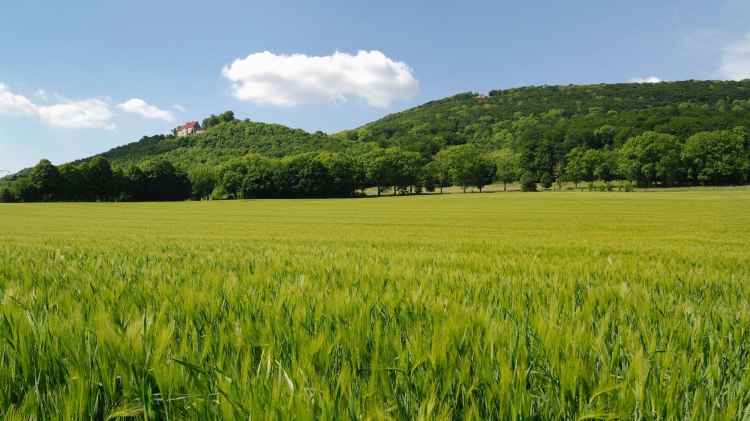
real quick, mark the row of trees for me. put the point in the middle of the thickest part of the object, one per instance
(96, 180)
(333, 174)
(706, 158)
(324, 174)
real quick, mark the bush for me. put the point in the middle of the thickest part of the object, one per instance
(627, 186)
(528, 182)
(219, 193)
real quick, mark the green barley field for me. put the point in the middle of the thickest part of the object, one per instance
(464, 306)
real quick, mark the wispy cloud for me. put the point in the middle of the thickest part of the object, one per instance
(650, 79)
(735, 60)
(80, 114)
(145, 110)
(13, 104)
(179, 108)
(83, 114)
(291, 80)
(41, 94)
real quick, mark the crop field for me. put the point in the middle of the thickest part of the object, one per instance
(570, 305)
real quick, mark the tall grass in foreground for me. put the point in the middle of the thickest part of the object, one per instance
(567, 306)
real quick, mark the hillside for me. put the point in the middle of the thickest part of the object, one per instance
(227, 140)
(664, 134)
(562, 117)
(566, 116)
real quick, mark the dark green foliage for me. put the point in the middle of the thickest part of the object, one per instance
(135, 185)
(392, 167)
(378, 169)
(429, 177)
(603, 163)
(593, 116)
(8, 194)
(46, 180)
(508, 165)
(676, 133)
(95, 180)
(576, 169)
(716, 157)
(528, 181)
(544, 124)
(203, 180)
(652, 157)
(162, 181)
(590, 164)
(74, 181)
(342, 170)
(468, 166)
(231, 139)
(100, 179)
(155, 180)
(214, 120)
(307, 175)
(546, 180)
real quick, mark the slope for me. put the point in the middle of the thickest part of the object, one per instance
(228, 140)
(567, 116)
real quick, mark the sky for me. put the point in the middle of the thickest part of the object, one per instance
(80, 77)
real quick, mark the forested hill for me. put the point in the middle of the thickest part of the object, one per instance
(665, 134)
(554, 118)
(566, 116)
(228, 140)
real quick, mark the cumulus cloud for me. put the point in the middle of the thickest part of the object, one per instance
(651, 79)
(145, 110)
(735, 62)
(83, 114)
(290, 80)
(13, 104)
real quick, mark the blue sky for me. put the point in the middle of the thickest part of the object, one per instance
(80, 77)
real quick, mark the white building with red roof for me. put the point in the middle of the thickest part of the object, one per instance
(189, 128)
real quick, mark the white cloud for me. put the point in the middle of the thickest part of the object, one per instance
(287, 81)
(735, 62)
(140, 107)
(82, 114)
(651, 79)
(179, 108)
(13, 104)
(41, 94)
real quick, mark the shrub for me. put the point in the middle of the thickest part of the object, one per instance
(528, 182)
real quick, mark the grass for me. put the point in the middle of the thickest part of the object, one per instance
(569, 305)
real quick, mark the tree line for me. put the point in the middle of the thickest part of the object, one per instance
(707, 158)
(323, 174)
(97, 180)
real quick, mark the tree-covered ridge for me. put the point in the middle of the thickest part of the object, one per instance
(568, 115)
(226, 140)
(667, 134)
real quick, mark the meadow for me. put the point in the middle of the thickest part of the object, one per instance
(565, 305)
